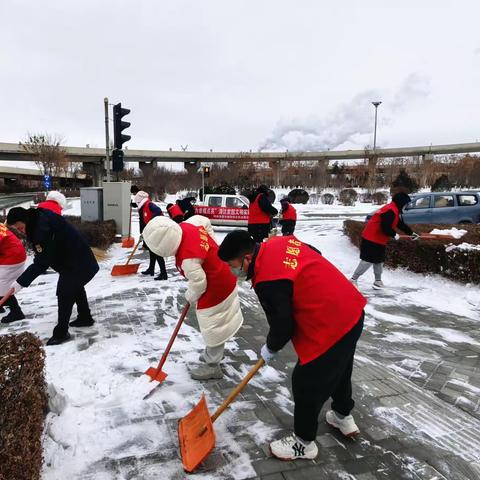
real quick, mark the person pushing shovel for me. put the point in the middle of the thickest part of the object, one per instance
(309, 302)
(211, 286)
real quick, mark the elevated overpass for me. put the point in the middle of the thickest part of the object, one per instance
(93, 158)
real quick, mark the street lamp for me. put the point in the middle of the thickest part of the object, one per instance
(375, 104)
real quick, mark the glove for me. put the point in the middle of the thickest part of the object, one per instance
(397, 236)
(414, 236)
(16, 287)
(190, 297)
(267, 354)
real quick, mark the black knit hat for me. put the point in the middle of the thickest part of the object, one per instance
(401, 199)
(236, 244)
(17, 214)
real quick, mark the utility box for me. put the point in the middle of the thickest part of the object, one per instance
(91, 204)
(116, 204)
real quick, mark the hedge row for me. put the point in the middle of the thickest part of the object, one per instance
(98, 234)
(23, 404)
(430, 256)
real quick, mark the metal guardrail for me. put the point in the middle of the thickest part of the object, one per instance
(14, 199)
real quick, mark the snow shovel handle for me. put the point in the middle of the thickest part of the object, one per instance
(134, 250)
(7, 296)
(237, 389)
(172, 338)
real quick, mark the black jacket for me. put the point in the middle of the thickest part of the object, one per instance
(265, 204)
(59, 245)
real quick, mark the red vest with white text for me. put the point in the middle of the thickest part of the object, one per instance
(196, 243)
(373, 230)
(146, 212)
(12, 251)
(256, 214)
(290, 213)
(51, 205)
(326, 306)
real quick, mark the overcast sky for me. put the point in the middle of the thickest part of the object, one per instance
(241, 75)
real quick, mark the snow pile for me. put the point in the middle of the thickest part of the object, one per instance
(466, 247)
(454, 232)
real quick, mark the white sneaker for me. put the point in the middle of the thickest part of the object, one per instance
(378, 284)
(346, 425)
(291, 448)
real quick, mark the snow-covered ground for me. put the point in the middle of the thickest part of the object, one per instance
(99, 420)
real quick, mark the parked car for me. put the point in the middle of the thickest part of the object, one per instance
(226, 210)
(442, 207)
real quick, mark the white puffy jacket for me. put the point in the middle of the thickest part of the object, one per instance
(218, 323)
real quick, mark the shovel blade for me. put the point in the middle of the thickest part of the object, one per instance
(196, 436)
(128, 242)
(129, 269)
(159, 375)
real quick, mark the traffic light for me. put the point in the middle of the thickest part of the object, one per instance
(117, 160)
(118, 126)
(206, 172)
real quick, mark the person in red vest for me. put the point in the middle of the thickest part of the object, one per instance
(146, 211)
(260, 213)
(55, 202)
(12, 265)
(175, 212)
(211, 286)
(289, 217)
(312, 304)
(380, 229)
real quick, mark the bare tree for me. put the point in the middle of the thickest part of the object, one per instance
(48, 153)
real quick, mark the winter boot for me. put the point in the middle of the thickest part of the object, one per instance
(346, 425)
(82, 322)
(292, 448)
(15, 313)
(149, 271)
(162, 276)
(378, 284)
(2, 310)
(58, 340)
(207, 372)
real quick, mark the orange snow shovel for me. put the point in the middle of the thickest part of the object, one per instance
(157, 373)
(128, 268)
(196, 435)
(129, 242)
(7, 296)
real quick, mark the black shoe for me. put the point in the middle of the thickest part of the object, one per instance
(2, 310)
(13, 317)
(82, 322)
(162, 276)
(149, 272)
(58, 340)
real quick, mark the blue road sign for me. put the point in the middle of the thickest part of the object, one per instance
(47, 181)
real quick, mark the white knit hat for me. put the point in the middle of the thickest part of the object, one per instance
(162, 236)
(58, 198)
(140, 197)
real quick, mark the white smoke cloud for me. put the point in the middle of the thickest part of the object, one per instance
(346, 126)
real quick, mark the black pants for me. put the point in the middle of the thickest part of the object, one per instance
(161, 263)
(288, 227)
(65, 307)
(327, 376)
(259, 231)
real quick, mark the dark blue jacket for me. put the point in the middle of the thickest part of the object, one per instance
(59, 245)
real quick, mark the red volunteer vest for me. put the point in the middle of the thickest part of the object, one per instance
(326, 306)
(12, 250)
(256, 214)
(196, 243)
(290, 213)
(52, 206)
(175, 211)
(146, 212)
(373, 230)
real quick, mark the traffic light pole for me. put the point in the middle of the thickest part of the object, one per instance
(107, 139)
(203, 185)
